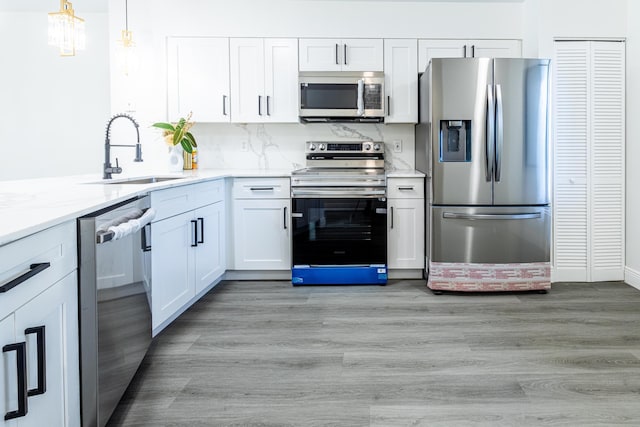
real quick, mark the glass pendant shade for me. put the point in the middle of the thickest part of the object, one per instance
(66, 31)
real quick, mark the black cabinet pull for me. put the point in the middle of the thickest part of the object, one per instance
(391, 216)
(345, 54)
(464, 54)
(268, 112)
(42, 360)
(285, 217)
(145, 240)
(259, 105)
(194, 242)
(21, 368)
(201, 240)
(337, 54)
(224, 105)
(33, 270)
(473, 50)
(388, 105)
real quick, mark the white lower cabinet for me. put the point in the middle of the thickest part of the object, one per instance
(188, 248)
(172, 267)
(210, 253)
(261, 224)
(40, 370)
(46, 330)
(405, 216)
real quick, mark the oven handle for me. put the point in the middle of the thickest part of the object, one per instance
(351, 192)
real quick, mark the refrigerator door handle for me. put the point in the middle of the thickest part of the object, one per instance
(491, 134)
(499, 131)
(456, 215)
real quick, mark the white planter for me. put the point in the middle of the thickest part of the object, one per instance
(175, 161)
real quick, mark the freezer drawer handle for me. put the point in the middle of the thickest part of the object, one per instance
(21, 366)
(455, 215)
(33, 270)
(42, 360)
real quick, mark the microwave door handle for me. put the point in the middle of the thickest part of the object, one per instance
(360, 97)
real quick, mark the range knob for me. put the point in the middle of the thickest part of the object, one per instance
(312, 147)
(367, 147)
(323, 147)
(376, 147)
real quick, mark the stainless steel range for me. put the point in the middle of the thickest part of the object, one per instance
(339, 215)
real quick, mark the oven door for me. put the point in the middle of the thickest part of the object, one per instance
(339, 231)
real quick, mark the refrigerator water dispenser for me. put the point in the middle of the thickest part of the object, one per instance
(455, 140)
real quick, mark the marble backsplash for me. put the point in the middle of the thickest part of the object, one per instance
(281, 146)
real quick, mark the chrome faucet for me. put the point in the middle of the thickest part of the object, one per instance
(108, 169)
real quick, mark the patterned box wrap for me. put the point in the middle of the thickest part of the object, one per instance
(468, 277)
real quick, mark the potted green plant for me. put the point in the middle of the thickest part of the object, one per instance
(178, 133)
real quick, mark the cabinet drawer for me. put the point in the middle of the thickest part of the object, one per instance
(261, 188)
(208, 192)
(172, 201)
(26, 259)
(405, 188)
(176, 200)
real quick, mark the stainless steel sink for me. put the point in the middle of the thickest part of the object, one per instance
(141, 180)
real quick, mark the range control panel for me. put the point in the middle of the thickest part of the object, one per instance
(344, 147)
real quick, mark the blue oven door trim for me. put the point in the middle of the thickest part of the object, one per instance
(374, 274)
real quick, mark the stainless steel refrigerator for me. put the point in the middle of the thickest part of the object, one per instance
(482, 142)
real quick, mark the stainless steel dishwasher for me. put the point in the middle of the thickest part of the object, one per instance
(115, 306)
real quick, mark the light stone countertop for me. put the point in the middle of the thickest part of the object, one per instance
(30, 206)
(405, 173)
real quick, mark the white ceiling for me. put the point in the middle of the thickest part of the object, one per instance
(79, 6)
(101, 5)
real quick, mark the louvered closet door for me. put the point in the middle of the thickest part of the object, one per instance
(589, 161)
(607, 161)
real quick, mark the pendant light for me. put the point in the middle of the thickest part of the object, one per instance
(126, 46)
(66, 30)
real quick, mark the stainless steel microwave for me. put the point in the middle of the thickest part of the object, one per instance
(341, 97)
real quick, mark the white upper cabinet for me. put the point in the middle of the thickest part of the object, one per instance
(264, 77)
(281, 80)
(341, 55)
(428, 48)
(401, 80)
(198, 78)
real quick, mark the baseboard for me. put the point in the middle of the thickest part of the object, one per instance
(258, 275)
(406, 274)
(632, 277)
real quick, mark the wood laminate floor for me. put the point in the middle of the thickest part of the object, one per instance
(269, 354)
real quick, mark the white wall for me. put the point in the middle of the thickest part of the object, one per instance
(632, 274)
(153, 20)
(53, 109)
(579, 19)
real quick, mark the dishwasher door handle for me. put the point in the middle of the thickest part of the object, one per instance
(125, 226)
